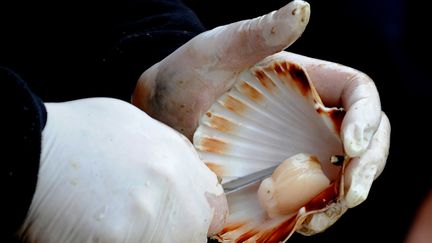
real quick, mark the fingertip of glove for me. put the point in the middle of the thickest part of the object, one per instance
(355, 196)
(356, 139)
(359, 186)
(284, 26)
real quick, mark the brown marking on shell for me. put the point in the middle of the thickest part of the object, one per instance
(250, 91)
(230, 228)
(259, 74)
(284, 65)
(279, 70)
(324, 198)
(279, 67)
(299, 78)
(213, 145)
(234, 104)
(217, 169)
(279, 233)
(320, 110)
(313, 158)
(265, 80)
(336, 116)
(249, 234)
(220, 123)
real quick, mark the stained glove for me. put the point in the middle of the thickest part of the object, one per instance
(181, 88)
(110, 173)
(365, 130)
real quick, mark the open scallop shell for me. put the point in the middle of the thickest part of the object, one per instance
(273, 112)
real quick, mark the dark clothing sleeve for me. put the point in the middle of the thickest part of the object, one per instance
(25, 121)
(90, 48)
(76, 51)
(148, 31)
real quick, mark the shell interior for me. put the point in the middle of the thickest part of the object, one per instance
(273, 112)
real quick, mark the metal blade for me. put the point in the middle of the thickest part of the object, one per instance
(242, 182)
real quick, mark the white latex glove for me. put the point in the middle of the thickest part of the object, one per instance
(365, 128)
(181, 88)
(110, 173)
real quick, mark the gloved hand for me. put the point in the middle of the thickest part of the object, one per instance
(365, 131)
(181, 88)
(365, 128)
(110, 173)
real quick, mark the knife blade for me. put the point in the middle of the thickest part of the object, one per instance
(242, 182)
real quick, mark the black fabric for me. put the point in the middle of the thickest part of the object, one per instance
(71, 50)
(76, 49)
(24, 124)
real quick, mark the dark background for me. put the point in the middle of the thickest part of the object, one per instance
(388, 40)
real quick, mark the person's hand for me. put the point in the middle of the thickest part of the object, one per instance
(110, 173)
(365, 129)
(182, 87)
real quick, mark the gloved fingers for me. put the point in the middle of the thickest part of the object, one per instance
(239, 45)
(193, 166)
(180, 88)
(320, 221)
(360, 123)
(359, 176)
(117, 175)
(339, 85)
(219, 205)
(363, 170)
(145, 90)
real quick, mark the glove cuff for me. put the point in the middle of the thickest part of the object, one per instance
(27, 117)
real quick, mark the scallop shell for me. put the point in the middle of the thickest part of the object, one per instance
(273, 112)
